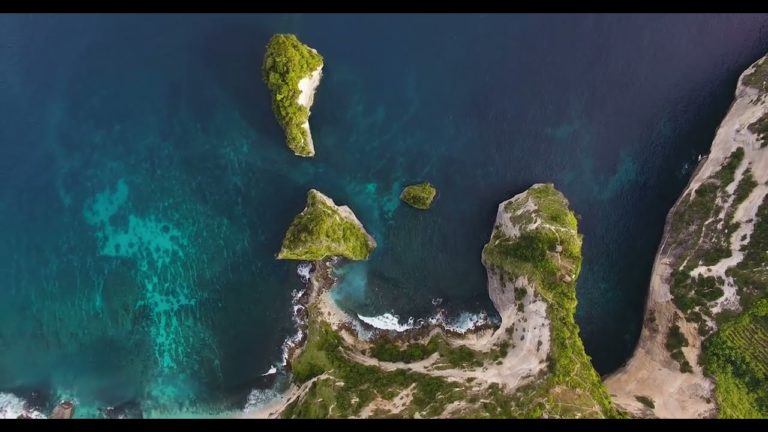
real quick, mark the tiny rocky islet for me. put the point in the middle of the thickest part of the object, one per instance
(419, 195)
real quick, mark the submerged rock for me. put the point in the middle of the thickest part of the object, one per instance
(64, 410)
(127, 410)
(324, 229)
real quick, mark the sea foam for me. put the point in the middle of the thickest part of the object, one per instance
(12, 406)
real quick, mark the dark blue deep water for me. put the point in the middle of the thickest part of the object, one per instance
(145, 185)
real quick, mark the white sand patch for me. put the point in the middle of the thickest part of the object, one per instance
(308, 86)
(331, 312)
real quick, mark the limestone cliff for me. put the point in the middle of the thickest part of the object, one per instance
(708, 280)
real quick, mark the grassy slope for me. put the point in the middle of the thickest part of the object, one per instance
(286, 62)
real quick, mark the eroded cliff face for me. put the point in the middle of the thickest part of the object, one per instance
(533, 260)
(532, 365)
(709, 268)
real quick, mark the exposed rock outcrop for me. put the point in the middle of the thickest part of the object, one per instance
(64, 410)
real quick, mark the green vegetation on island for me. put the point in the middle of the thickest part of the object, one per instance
(322, 230)
(286, 62)
(419, 195)
(550, 257)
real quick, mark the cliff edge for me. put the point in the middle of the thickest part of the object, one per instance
(709, 274)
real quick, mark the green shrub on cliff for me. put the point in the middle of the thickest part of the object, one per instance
(419, 195)
(321, 230)
(760, 128)
(286, 62)
(728, 170)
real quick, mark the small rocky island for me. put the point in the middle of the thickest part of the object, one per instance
(419, 195)
(292, 71)
(532, 365)
(323, 230)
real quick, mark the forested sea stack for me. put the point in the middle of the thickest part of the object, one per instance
(323, 230)
(703, 350)
(292, 71)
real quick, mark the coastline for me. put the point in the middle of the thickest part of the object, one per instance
(651, 372)
(488, 360)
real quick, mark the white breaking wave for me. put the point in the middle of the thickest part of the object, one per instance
(260, 397)
(293, 341)
(304, 270)
(465, 322)
(271, 371)
(12, 406)
(387, 321)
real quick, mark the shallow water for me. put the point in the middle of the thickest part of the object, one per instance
(145, 186)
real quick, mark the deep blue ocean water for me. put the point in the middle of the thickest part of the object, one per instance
(145, 185)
